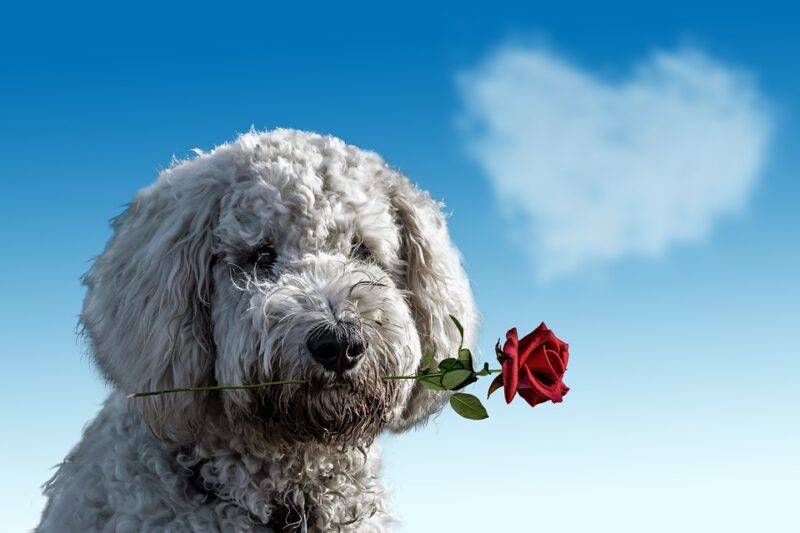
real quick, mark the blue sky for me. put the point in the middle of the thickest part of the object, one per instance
(682, 321)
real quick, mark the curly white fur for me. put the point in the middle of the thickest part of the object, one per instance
(177, 299)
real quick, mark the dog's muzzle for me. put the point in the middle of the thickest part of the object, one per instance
(337, 348)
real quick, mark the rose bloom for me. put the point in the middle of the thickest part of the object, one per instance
(533, 366)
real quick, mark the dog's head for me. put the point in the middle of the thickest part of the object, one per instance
(281, 256)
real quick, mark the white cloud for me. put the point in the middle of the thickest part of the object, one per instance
(604, 169)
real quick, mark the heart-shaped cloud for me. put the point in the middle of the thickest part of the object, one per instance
(610, 169)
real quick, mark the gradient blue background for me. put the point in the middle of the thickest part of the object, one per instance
(683, 414)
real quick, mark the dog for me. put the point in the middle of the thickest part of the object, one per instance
(281, 256)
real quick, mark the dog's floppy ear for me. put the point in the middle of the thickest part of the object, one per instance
(436, 283)
(146, 312)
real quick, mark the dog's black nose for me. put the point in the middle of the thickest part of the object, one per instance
(336, 348)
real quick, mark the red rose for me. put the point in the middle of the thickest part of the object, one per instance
(533, 366)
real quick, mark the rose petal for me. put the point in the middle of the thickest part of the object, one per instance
(531, 341)
(561, 347)
(524, 383)
(540, 365)
(555, 361)
(552, 392)
(510, 366)
(532, 397)
(511, 346)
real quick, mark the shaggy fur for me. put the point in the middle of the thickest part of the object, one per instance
(217, 274)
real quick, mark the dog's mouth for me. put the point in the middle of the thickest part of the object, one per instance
(328, 407)
(334, 386)
(332, 381)
(357, 378)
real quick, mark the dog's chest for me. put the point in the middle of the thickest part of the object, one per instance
(298, 488)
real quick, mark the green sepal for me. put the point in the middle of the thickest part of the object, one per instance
(501, 356)
(496, 384)
(484, 371)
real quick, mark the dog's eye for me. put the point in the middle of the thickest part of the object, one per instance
(360, 251)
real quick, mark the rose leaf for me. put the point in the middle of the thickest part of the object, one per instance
(427, 359)
(468, 406)
(465, 358)
(431, 382)
(451, 363)
(460, 330)
(466, 383)
(454, 378)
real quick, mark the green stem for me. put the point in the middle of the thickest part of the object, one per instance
(389, 378)
(216, 387)
(437, 374)
(269, 384)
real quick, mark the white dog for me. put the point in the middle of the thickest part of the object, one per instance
(281, 256)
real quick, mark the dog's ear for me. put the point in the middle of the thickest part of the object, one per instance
(146, 312)
(436, 286)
